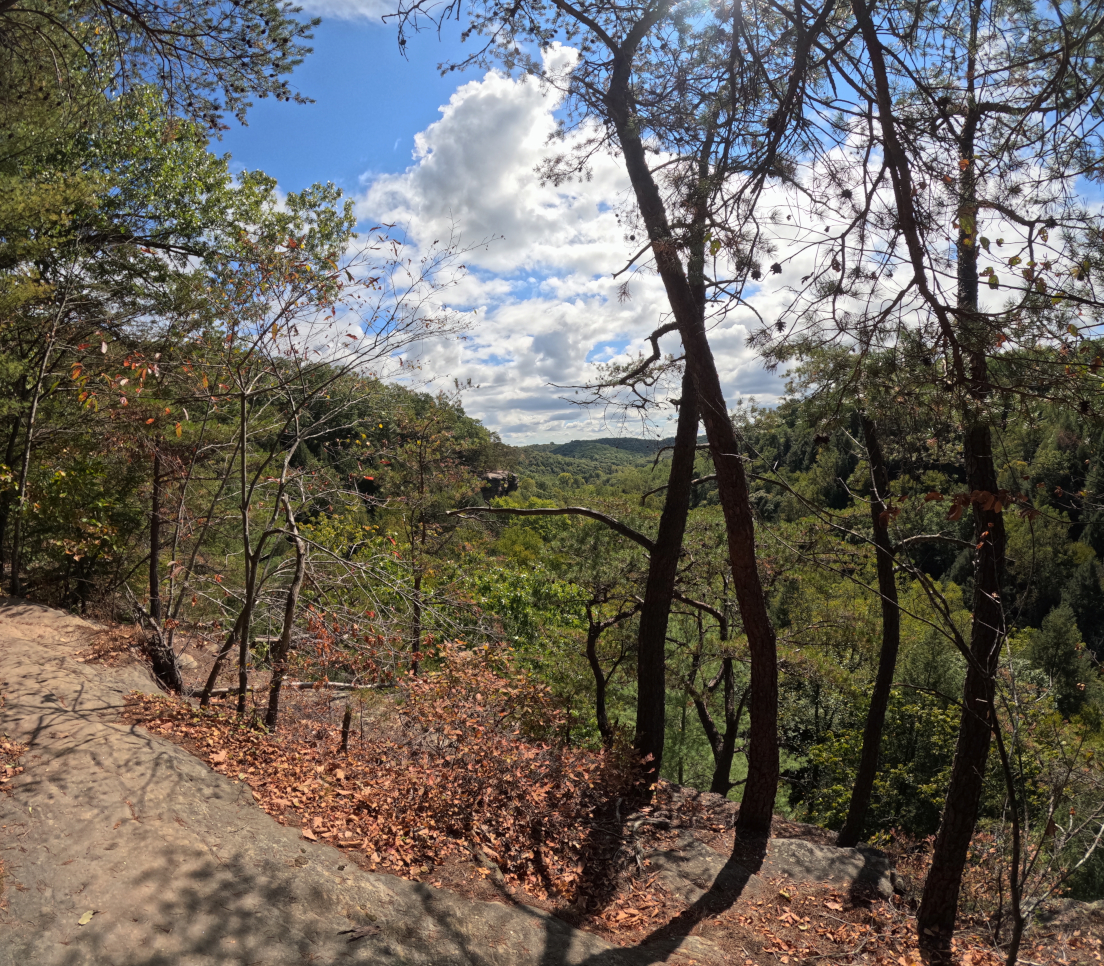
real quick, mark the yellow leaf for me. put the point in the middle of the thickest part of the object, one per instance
(86, 918)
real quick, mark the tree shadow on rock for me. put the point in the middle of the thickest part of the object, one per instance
(662, 943)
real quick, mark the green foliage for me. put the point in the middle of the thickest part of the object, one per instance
(184, 286)
(1057, 650)
(914, 767)
(208, 56)
(520, 544)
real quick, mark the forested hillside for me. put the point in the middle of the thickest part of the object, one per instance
(876, 607)
(812, 492)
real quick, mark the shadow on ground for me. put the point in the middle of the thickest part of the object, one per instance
(179, 866)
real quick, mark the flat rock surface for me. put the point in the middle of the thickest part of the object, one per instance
(179, 867)
(690, 868)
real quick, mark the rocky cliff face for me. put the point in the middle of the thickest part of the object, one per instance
(497, 483)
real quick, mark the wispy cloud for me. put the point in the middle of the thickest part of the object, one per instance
(348, 9)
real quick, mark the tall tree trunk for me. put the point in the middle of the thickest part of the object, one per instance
(682, 743)
(757, 804)
(253, 566)
(240, 627)
(723, 754)
(935, 919)
(283, 646)
(939, 905)
(651, 693)
(852, 831)
(155, 540)
(252, 557)
(6, 498)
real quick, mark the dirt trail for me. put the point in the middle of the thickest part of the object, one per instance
(181, 868)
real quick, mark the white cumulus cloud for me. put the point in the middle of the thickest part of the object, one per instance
(540, 270)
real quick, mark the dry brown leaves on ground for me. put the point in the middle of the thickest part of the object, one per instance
(115, 645)
(465, 770)
(10, 754)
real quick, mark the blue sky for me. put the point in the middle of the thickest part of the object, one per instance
(434, 153)
(369, 103)
(437, 154)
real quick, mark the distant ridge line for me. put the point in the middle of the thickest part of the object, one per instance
(628, 444)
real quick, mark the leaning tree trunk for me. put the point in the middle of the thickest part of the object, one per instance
(283, 646)
(163, 658)
(25, 466)
(224, 652)
(651, 693)
(757, 804)
(851, 833)
(722, 744)
(935, 919)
